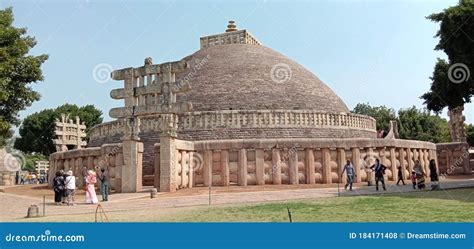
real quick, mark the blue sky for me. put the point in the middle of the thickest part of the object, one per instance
(379, 52)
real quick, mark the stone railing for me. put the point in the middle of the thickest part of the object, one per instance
(296, 161)
(247, 119)
(274, 118)
(108, 156)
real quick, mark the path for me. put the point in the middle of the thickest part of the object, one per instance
(14, 206)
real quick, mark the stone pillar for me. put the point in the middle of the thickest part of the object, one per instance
(168, 164)
(356, 163)
(341, 161)
(276, 167)
(410, 160)
(326, 159)
(259, 167)
(242, 167)
(191, 169)
(132, 168)
(207, 168)
(393, 161)
(293, 167)
(370, 173)
(225, 168)
(157, 170)
(118, 171)
(310, 178)
(184, 170)
(401, 158)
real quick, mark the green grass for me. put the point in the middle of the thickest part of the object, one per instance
(456, 205)
(433, 206)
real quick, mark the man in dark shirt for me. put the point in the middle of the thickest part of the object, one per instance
(104, 186)
(379, 172)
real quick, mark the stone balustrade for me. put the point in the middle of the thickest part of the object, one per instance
(295, 161)
(237, 119)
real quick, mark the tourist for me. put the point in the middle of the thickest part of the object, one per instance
(379, 172)
(22, 179)
(350, 172)
(70, 183)
(420, 175)
(65, 175)
(434, 175)
(84, 174)
(400, 176)
(104, 184)
(33, 178)
(58, 187)
(91, 179)
(413, 178)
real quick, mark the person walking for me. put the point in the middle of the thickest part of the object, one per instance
(434, 175)
(413, 178)
(420, 175)
(58, 187)
(104, 184)
(400, 176)
(70, 188)
(379, 172)
(350, 172)
(84, 174)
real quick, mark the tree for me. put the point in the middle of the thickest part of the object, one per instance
(470, 134)
(17, 71)
(37, 130)
(30, 161)
(382, 114)
(418, 124)
(452, 84)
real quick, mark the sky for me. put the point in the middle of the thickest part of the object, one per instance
(380, 52)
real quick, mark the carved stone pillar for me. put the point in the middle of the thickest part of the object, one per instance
(356, 163)
(259, 167)
(326, 159)
(242, 167)
(310, 178)
(276, 167)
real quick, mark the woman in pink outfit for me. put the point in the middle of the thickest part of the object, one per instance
(91, 179)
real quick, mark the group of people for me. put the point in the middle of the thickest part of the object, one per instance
(64, 186)
(30, 178)
(417, 176)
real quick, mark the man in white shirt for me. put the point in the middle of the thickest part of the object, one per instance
(70, 188)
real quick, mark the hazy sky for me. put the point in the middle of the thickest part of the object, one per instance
(379, 52)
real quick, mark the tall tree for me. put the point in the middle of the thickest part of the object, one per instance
(17, 71)
(37, 130)
(452, 83)
(416, 124)
(382, 114)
